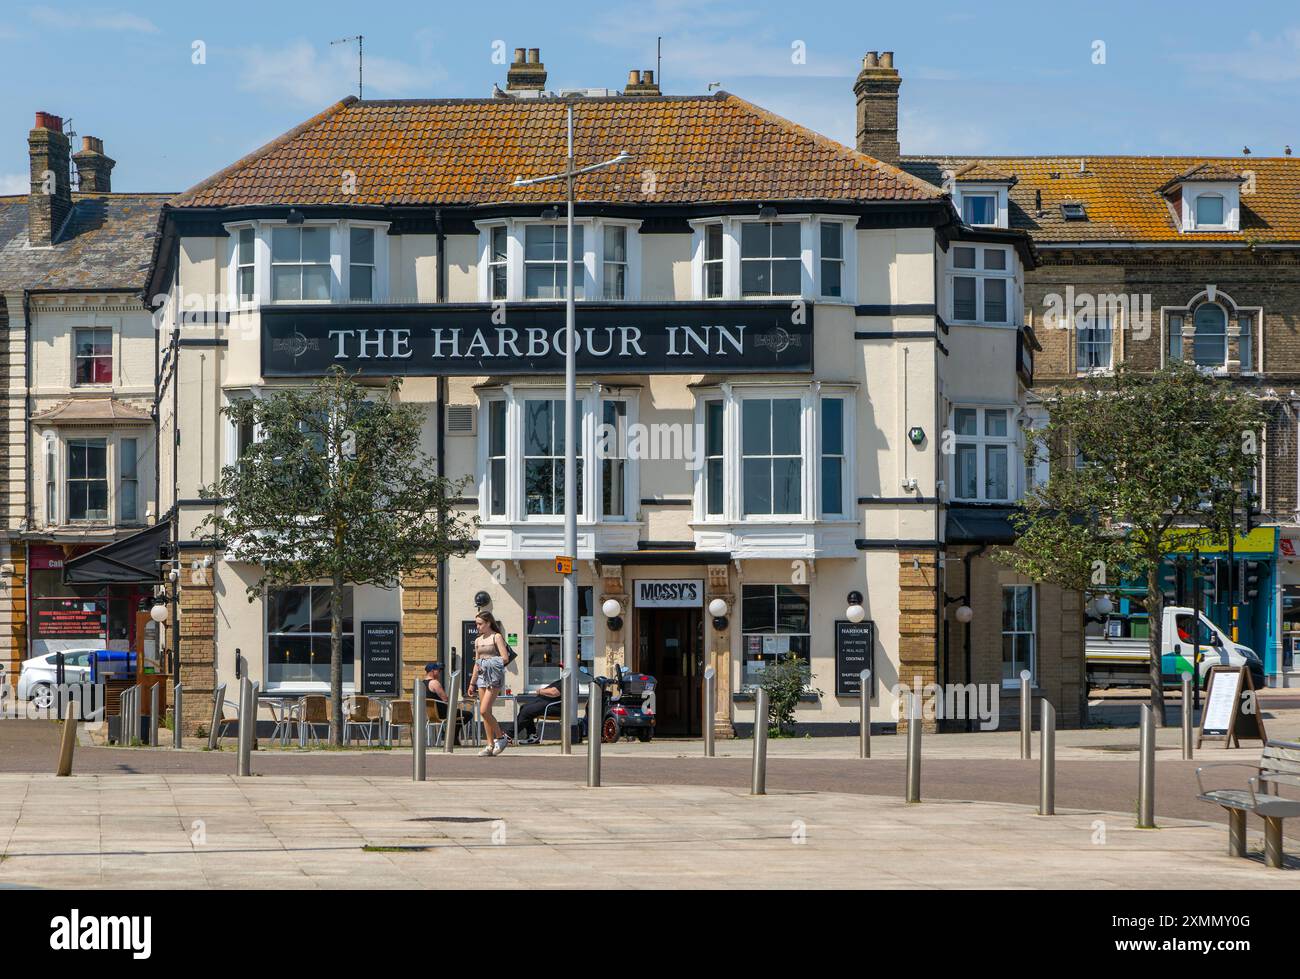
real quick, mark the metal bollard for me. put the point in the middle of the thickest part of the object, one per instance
(67, 745)
(595, 722)
(1147, 770)
(178, 693)
(914, 750)
(1047, 762)
(709, 709)
(567, 710)
(218, 699)
(1026, 716)
(419, 729)
(758, 783)
(1187, 716)
(153, 715)
(864, 722)
(246, 722)
(453, 691)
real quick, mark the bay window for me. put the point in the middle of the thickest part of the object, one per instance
(981, 284)
(614, 263)
(713, 264)
(983, 448)
(361, 264)
(545, 246)
(772, 455)
(544, 456)
(832, 259)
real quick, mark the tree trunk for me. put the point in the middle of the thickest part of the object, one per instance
(1156, 612)
(336, 662)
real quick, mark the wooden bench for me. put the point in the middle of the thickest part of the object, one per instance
(1278, 765)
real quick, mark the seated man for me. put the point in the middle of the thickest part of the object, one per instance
(532, 708)
(438, 695)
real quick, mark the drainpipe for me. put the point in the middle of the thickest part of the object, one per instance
(966, 560)
(27, 408)
(440, 284)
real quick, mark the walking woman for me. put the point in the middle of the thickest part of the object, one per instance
(491, 654)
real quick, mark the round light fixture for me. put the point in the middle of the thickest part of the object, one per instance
(965, 613)
(481, 599)
(612, 608)
(1104, 605)
(158, 613)
(717, 608)
(855, 613)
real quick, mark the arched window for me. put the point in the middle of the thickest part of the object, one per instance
(1210, 343)
(1209, 210)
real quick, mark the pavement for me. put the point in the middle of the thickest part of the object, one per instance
(387, 832)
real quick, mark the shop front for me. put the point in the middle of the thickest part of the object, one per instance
(65, 616)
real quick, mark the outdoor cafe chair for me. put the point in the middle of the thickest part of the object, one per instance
(551, 712)
(313, 709)
(227, 705)
(358, 716)
(400, 715)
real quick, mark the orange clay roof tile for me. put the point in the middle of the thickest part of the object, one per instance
(1123, 199)
(685, 149)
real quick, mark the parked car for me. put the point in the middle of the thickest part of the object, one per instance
(38, 675)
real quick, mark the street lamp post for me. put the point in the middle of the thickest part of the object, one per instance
(570, 624)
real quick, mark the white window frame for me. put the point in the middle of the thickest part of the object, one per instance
(810, 257)
(313, 686)
(1193, 191)
(1000, 194)
(586, 633)
(982, 441)
(1095, 321)
(379, 270)
(1032, 633)
(590, 262)
(1010, 275)
(334, 262)
(1234, 313)
(732, 396)
(113, 362)
(776, 633)
(340, 261)
(109, 475)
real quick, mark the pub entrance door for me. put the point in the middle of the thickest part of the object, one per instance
(671, 649)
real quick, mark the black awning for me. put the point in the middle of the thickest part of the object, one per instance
(131, 560)
(980, 525)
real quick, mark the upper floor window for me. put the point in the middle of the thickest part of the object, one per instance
(979, 209)
(87, 482)
(984, 444)
(1094, 342)
(300, 264)
(614, 265)
(245, 266)
(834, 468)
(982, 281)
(93, 355)
(772, 455)
(1210, 336)
(128, 480)
(713, 261)
(770, 258)
(832, 259)
(498, 265)
(361, 264)
(545, 246)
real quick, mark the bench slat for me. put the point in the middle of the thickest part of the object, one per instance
(1232, 798)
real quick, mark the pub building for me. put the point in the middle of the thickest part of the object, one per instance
(78, 387)
(765, 382)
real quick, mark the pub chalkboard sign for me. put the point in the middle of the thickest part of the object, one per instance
(381, 658)
(855, 645)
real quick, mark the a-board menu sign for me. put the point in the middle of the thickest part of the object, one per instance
(381, 658)
(855, 644)
(1231, 710)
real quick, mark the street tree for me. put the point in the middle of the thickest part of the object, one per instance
(335, 487)
(1140, 465)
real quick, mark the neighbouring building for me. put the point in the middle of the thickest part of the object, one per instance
(1145, 260)
(77, 373)
(767, 370)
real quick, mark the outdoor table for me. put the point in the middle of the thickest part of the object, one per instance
(281, 708)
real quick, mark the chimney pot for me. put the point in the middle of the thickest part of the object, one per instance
(519, 56)
(870, 60)
(886, 59)
(534, 56)
(634, 77)
(648, 76)
(94, 169)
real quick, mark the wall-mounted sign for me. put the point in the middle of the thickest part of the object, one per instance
(381, 658)
(855, 644)
(669, 593)
(529, 338)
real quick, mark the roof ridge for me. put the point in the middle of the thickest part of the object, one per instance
(896, 173)
(268, 148)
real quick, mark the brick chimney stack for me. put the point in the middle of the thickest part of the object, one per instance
(50, 200)
(876, 89)
(641, 83)
(94, 169)
(526, 72)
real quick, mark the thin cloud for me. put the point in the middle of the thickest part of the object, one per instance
(303, 73)
(1268, 60)
(14, 183)
(95, 21)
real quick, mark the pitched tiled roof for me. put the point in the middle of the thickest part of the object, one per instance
(696, 149)
(105, 244)
(977, 171)
(1123, 199)
(87, 411)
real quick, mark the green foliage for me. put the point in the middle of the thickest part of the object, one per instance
(785, 680)
(336, 487)
(1140, 465)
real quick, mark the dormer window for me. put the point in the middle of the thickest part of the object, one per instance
(1209, 210)
(1205, 198)
(979, 209)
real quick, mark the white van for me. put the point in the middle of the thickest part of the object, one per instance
(1117, 658)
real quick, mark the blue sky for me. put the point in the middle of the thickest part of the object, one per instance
(1009, 77)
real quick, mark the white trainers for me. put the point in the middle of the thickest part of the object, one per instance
(500, 745)
(488, 752)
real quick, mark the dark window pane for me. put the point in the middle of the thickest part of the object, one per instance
(756, 426)
(544, 610)
(786, 278)
(787, 492)
(791, 608)
(755, 240)
(785, 239)
(758, 608)
(713, 428)
(995, 300)
(832, 485)
(786, 438)
(833, 426)
(755, 278)
(498, 487)
(714, 486)
(363, 246)
(713, 281)
(537, 428)
(288, 610)
(832, 240)
(831, 279)
(758, 485)
(713, 243)
(963, 298)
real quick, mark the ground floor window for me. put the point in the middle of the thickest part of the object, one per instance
(773, 622)
(545, 651)
(1017, 631)
(298, 635)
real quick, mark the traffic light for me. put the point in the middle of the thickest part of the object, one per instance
(1222, 577)
(1252, 577)
(1169, 580)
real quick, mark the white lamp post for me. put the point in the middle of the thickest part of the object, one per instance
(569, 629)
